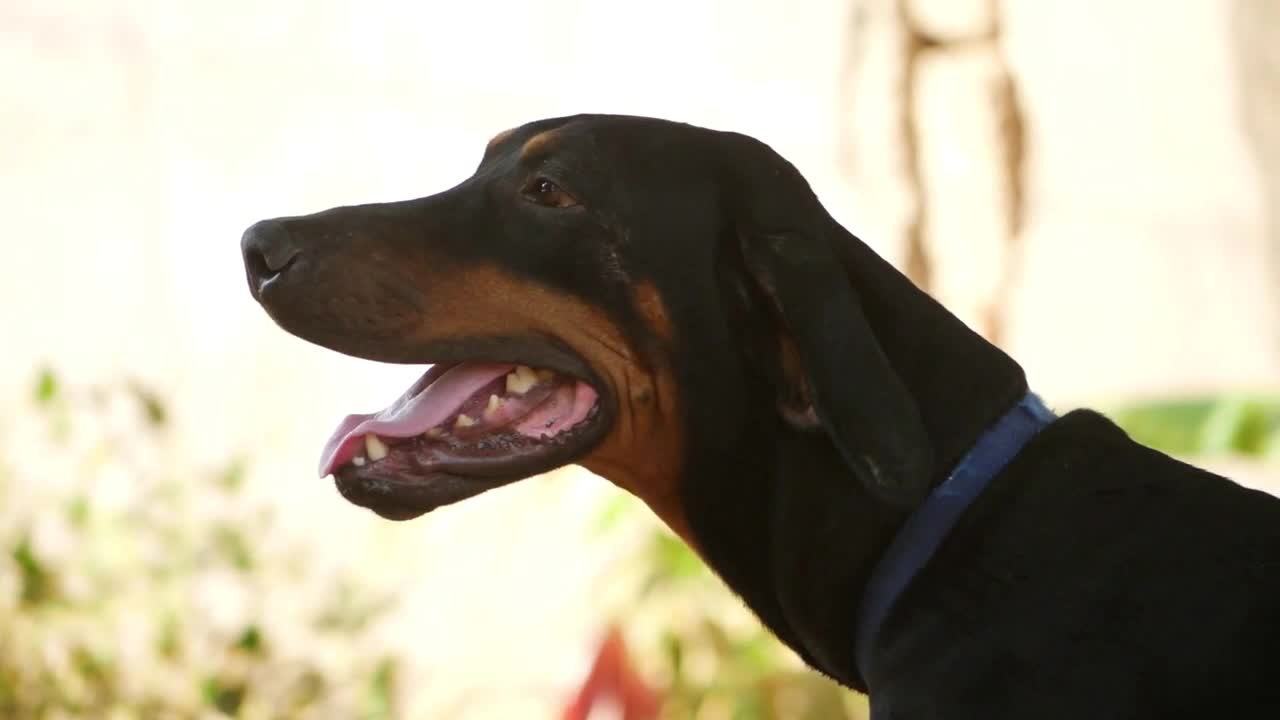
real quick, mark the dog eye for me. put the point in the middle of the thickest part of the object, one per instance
(545, 192)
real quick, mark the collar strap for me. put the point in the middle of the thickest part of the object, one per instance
(929, 524)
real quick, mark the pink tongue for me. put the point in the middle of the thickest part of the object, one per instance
(412, 414)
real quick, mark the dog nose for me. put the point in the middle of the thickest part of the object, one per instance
(268, 252)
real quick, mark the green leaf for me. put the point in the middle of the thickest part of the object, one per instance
(619, 506)
(226, 697)
(231, 543)
(673, 647)
(349, 611)
(37, 582)
(1256, 424)
(1169, 426)
(719, 639)
(153, 407)
(78, 511)
(93, 668)
(250, 640)
(8, 693)
(309, 688)
(46, 390)
(750, 706)
(759, 653)
(168, 640)
(232, 477)
(674, 559)
(1271, 445)
(381, 695)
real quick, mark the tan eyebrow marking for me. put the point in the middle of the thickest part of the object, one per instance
(496, 139)
(537, 142)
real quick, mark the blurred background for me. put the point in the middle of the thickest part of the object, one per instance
(1093, 185)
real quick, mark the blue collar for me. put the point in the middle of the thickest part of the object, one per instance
(930, 523)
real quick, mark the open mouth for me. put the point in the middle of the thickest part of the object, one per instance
(459, 430)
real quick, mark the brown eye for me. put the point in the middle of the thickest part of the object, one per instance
(545, 192)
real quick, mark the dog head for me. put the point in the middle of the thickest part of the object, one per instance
(565, 293)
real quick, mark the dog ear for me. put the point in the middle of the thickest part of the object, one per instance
(833, 371)
(851, 389)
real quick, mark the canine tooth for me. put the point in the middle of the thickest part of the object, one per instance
(374, 447)
(545, 375)
(464, 420)
(521, 379)
(434, 433)
(358, 461)
(514, 386)
(495, 402)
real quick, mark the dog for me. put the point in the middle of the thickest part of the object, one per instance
(673, 308)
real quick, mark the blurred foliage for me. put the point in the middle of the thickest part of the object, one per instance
(135, 586)
(1237, 425)
(746, 673)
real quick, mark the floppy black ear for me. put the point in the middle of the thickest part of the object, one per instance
(858, 399)
(831, 359)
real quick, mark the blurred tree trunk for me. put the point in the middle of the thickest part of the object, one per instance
(1256, 30)
(943, 99)
(957, 145)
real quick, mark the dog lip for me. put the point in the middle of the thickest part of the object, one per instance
(405, 500)
(448, 482)
(451, 481)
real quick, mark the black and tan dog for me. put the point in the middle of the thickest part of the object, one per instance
(672, 308)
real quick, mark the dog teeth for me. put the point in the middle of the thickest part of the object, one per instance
(358, 461)
(495, 403)
(434, 433)
(464, 421)
(545, 375)
(374, 447)
(521, 379)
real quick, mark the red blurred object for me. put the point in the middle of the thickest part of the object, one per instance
(613, 681)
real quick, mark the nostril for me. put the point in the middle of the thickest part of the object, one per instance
(256, 263)
(268, 251)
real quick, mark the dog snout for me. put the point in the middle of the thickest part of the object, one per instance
(268, 251)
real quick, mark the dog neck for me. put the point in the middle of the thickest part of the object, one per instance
(930, 523)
